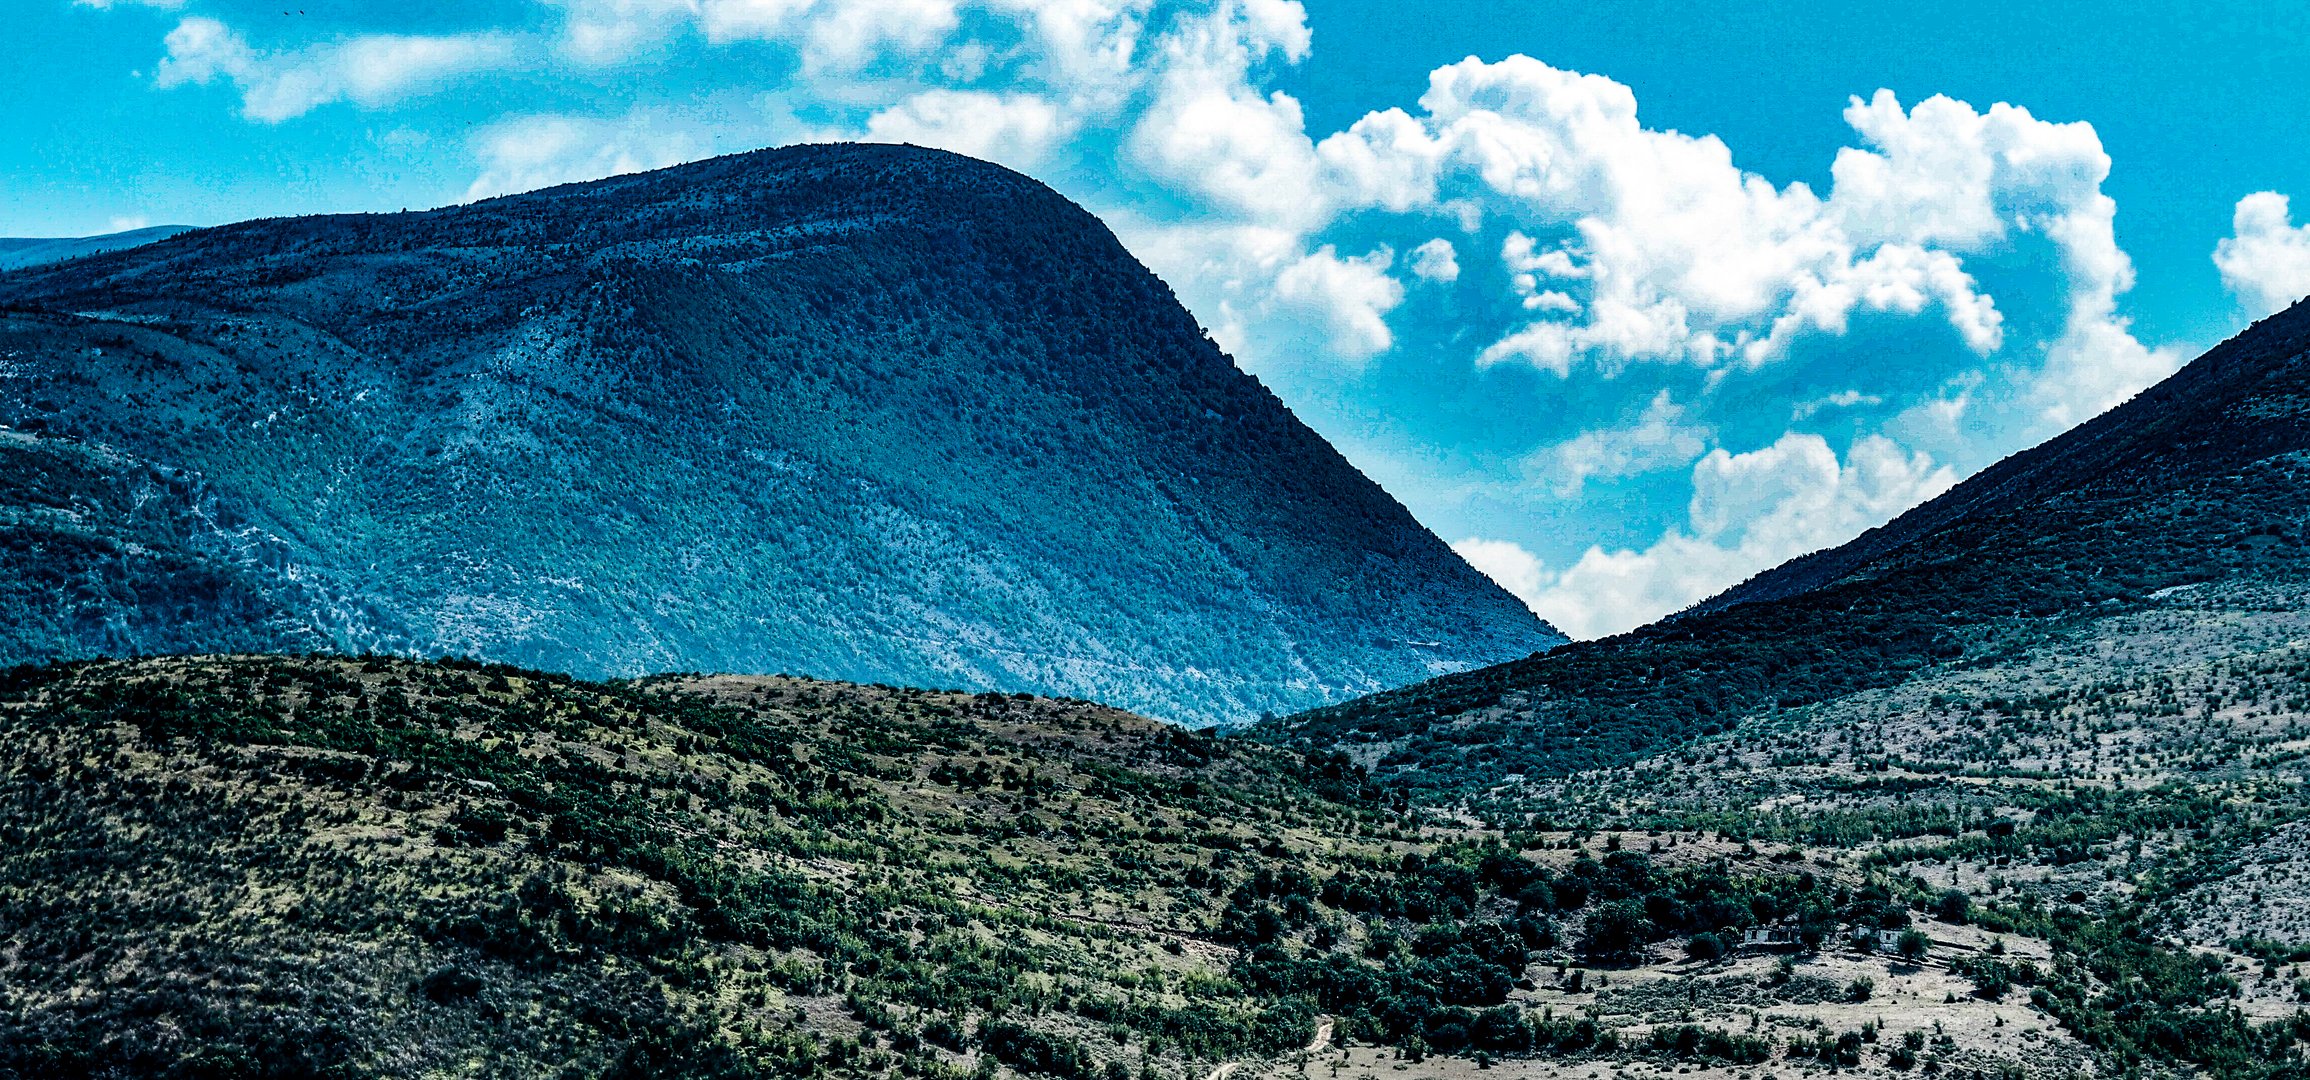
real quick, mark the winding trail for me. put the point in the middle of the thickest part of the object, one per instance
(1322, 1039)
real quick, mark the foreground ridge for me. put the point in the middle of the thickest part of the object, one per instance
(282, 866)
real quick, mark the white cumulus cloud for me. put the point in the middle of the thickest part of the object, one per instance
(1018, 130)
(1436, 260)
(2265, 261)
(1748, 513)
(849, 33)
(1633, 243)
(1946, 173)
(1349, 298)
(1240, 153)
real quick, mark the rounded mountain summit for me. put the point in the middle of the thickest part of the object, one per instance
(873, 413)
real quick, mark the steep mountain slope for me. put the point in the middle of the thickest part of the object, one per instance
(866, 412)
(2236, 405)
(2192, 493)
(18, 252)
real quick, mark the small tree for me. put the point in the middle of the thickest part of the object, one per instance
(1616, 931)
(1912, 945)
(1991, 978)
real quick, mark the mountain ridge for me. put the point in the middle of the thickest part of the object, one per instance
(2088, 525)
(2016, 478)
(2070, 704)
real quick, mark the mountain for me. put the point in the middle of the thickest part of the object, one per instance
(19, 252)
(2010, 790)
(866, 412)
(2020, 798)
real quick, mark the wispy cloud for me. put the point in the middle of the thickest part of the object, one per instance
(1659, 439)
(370, 70)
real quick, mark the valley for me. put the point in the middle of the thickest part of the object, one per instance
(1236, 772)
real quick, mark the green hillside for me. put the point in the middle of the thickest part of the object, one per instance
(278, 866)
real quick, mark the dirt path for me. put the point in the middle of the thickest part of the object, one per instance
(1322, 1039)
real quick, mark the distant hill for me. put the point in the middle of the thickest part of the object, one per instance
(864, 412)
(19, 252)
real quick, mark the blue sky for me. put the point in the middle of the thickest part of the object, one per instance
(1629, 300)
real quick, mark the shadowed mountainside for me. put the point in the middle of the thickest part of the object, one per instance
(866, 412)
